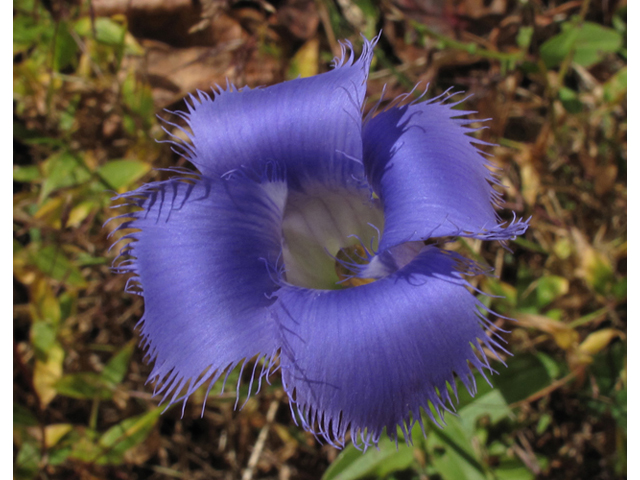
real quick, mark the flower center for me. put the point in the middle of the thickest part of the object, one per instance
(347, 261)
(327, 234)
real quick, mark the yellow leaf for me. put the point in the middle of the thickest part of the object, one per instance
(528, 175)
(305, 62)
(595, 268)
(79, 213)
(22, 273)
(47, 305)
(530, 183)
(53, 433)
(51, 212)
(47, 373)
(598, 340)
(563, 248)
(565, 336)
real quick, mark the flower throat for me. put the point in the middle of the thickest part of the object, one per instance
(326, 234)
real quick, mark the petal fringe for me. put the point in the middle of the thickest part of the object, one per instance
(312, 126)
(376, 357)
(200, 251)
(432, 180)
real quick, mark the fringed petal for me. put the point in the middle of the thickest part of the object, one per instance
(431, 178)
(369, 358)
(202, 252)
(215, 256)
(311, 125)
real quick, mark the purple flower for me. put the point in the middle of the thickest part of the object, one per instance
(303, 240)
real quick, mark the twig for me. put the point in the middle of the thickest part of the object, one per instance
(262, 437)
(328, 29)
(545, 391)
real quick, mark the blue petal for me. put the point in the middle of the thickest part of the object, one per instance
(430, 177)
(311, 125)
(201, 255)
(367, 358)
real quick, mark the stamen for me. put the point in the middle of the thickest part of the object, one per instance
(348, 261)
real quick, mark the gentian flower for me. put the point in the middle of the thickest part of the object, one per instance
(305, 241)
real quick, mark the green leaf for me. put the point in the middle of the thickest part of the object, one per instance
(525, 375)
(570, 100)
(52, 262)
(122, 173)
(83, 443)
(67, 303)
(452, 453)
(28, 6)
(62, 170)
(109, 32)
(553, 368)
(599, 272)
(85, 259)
(136, 95)
(465, 398)
(127, 434)
(106, 30)
(543, 423)
(556, 314)
(28, 173)
(84, 386)
(512, 469)
(524, 36)
(371, 13)
(27, 461)
(115, 370)
(529, 245)
(616, 87)
(129, 124)
(59, 455)
(352, 464)
(492, 405)
(67, 117)
(66, 48)
(550, 287)
(508, 293)
(28, 31)
(608, 366)
(43, 336)
(588, 42)
(619, 289)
